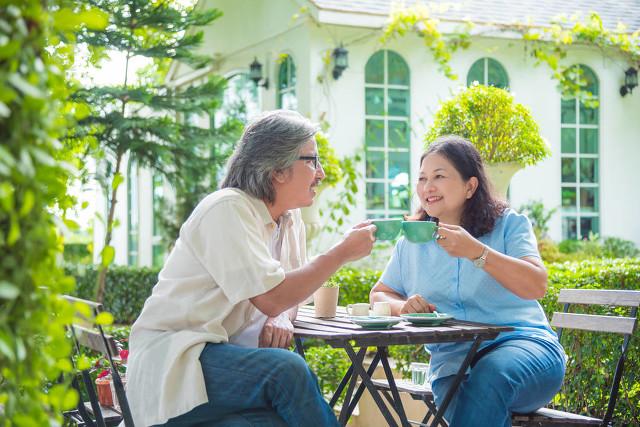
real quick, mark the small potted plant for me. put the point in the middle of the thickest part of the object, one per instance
(503, 131)
(103, 388)
(325, 299)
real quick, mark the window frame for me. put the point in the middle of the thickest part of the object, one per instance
(385, 148)
(576, 212)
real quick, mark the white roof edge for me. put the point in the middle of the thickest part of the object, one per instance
(367, 20)
(189, 77)
(351, 19)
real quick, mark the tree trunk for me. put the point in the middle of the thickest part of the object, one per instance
(102, 272)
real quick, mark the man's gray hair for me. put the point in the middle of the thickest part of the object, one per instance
(270, 143)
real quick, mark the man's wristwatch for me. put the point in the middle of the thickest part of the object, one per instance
(482, 259)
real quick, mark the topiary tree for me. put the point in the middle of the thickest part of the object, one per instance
(501, 129)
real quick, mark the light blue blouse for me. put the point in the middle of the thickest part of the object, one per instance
(459, 288)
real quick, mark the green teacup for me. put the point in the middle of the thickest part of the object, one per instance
(388, 228)
(419, 231)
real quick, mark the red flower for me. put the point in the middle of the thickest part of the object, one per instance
(124, 355)
(103, 374)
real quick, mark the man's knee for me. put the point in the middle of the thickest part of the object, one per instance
(289, 364)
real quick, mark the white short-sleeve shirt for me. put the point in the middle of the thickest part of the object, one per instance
(221, 259)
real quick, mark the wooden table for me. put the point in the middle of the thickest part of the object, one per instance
(339, 332)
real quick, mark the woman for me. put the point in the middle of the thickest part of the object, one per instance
(231, 285)
(484, 266)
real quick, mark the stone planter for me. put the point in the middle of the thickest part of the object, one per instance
(500, 175)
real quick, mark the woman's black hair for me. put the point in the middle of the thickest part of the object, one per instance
(483, 209)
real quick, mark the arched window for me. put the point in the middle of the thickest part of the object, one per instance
(488, 72)
(240, 100)
(286, 89)
(133, 213)
(387, 134)
(580, 163)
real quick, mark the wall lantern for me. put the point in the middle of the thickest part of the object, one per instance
(340, 61)
(255, 74)
(630, 81)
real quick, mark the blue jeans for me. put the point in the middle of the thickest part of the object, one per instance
(257, 387)
(519, 375)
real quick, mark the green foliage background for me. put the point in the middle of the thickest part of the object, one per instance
(34, 171)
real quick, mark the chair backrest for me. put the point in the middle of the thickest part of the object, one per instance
(624, 325)
(85, 332)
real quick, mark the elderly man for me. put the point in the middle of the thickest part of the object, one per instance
(231, 285)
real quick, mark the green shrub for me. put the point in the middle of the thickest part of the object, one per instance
(329, 364)
(615, 247)
(127, 288)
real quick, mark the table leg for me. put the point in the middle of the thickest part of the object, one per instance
(299, 347)
(457, 380)
(392, 386)
(345, 413)
(361, 387)
(366, 379)
(343, 383)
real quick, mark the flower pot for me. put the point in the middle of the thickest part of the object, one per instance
(325, 301)
(500, 175)
(103, 389)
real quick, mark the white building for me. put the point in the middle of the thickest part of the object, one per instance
(590, 177)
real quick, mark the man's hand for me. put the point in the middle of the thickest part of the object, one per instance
(417, 304)
(277, 332)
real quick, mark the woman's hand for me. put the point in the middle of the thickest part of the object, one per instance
(277, 332)
(417, 304)
(458, 242)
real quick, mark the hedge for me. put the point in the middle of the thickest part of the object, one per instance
(592, 356)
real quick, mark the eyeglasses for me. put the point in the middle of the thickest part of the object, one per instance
(315, 159)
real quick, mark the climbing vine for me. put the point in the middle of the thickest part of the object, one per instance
(549, 45)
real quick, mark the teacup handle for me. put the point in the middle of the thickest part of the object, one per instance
(349, 310)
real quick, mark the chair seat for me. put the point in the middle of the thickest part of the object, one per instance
(547, 416)
(110, 415)
(406, 386)
(541, 417)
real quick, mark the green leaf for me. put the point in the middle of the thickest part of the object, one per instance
(6, 346)
(117, 180)
(71, 224)
(28, 201)
(104, 319)
(14, 231)
(95, 19)
(70, 399)
(8, 290)
(107, 255)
